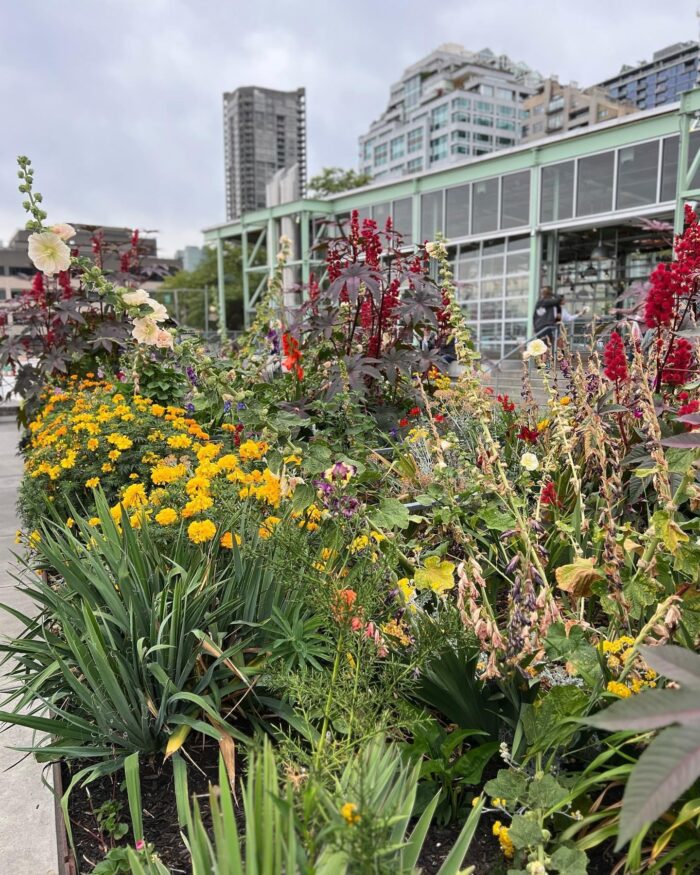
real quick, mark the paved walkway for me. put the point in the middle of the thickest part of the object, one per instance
(27, 827)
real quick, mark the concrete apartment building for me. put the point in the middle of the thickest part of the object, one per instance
(17, 271)
(648, 84)
(556, 108)
(446, 108)
(264, 131)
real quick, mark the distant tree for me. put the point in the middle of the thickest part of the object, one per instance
(334, 179)
(204, 276)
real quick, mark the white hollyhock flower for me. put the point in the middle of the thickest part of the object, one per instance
(436, 249)
(135, 299)
(164, 339)
(529, 461)
(160, 313)
(535, 348)
(48, 253)
(146, 330)
(64, 230)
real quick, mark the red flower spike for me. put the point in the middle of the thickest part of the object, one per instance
(615, 359)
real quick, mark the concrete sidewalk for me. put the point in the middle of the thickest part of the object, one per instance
(27, 826)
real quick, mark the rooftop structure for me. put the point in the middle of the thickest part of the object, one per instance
(264, 131)
(662, 80)
(451, 105)
(556, 108)
(517, 219)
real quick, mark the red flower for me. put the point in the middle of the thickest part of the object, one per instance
(292, 356)
(678, 362)
(439, 417)
(690, 407)
(507, 405)
(615, 359)
(549, 494)
(528, 434)
(414, 411)
(403, 422)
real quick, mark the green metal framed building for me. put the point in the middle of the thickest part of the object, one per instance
(583, 211)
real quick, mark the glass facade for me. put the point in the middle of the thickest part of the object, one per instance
(594, 193)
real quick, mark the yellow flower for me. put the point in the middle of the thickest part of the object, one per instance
(359, 543)
(120, 441)
(163, 474)
(292, 460)
(437, 575)
(94, 521)
(543, 424)
(70, 522)
(618, 689)
(114, 455)
(565, 400)
(227, 540)
(350, 814)
(266, 529)
(227, 463)
(249, 451)
(196, 485)
(166, 517)
(397, 630)
(199, 532)
(157, 410)
(92, 482)
(134, 496)
(106, 468)
(179, 442)
(34, 539)
(197, 504)
(93, 444)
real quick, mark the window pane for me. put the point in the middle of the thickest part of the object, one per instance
(380, 213)
(403, 218)
(637, 173)
(595, 184)
(485, 206)
(457, 206)
(693, 146)
(557, 192)
(669, 169)
(430, 215)
(515, 199)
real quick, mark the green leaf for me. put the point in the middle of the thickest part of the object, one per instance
(471, 764)
(304, 496)
(524, 831)
(508, 785)
(569, 861)
(553, 717)
(495, 519)
(545, 792)
(391, 514)
(664, 771)
(669, 531)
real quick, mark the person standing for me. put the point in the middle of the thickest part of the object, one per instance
(547, 315)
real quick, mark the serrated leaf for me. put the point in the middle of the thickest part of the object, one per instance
(569, 861)
(391, 514)
(508, 785)
(523, 832)
(664, 771)
(545, 792)
(436, 575)
(496, 520)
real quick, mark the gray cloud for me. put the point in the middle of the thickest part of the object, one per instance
(118, 102)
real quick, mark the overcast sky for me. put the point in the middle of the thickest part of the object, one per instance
(118, 102)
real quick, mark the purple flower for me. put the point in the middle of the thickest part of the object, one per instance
(189, 407)
(240, 406)
(273, 337)
(192, 375)
(227, 406)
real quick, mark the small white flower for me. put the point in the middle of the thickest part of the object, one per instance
(436, 249)
(64, 230)
(164, 339)
(135, 299)
(48, 253)
(536, 348)
(146, 330)
(529, 461)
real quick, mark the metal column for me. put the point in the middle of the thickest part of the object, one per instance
(221, 282)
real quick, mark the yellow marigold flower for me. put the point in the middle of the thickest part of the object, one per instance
(197, 504)
(206, 469)
(249, 451)
(134, 496)
(208, 452)
(166, 517)
(120, 441)
(565, 400)
(114, 455)
(93, 444)
(179, 442)
(227, 463)
(106, 468)
(227, 540)
(350, 814)
(157, 410)
(199, 532)
(618, 689)
(163, 474)
(197, 484)
(268, 526)
(92, 482)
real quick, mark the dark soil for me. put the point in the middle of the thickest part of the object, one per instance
(162, 830)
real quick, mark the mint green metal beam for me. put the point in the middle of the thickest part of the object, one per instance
(246, 279)
(221, 287)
